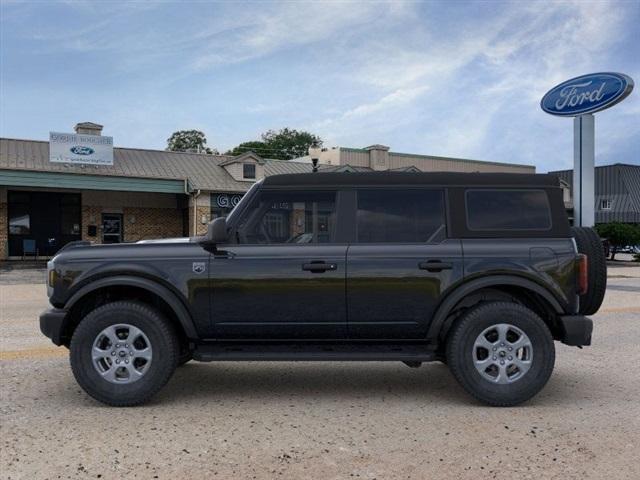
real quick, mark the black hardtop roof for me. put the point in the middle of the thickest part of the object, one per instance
(413, 178)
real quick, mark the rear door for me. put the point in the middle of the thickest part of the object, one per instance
(400, 263)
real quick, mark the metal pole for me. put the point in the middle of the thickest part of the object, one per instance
(583, 170)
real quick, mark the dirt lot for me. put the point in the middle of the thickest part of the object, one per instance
(320, 420)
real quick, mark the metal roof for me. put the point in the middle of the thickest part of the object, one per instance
(620, 184)
(202, 171)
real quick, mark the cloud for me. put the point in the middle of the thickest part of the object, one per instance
(457, 79)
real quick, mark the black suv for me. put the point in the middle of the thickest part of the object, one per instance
(480, 271)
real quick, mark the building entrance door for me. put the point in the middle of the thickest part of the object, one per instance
(111, 228)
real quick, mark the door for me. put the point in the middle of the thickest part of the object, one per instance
(400, 264)
(111, 228)
(284, 277)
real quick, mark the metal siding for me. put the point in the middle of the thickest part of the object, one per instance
(619, 183)
(26, 178)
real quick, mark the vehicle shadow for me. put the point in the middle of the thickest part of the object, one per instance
(320, 380)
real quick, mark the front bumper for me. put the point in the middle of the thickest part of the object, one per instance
(575, 330)
(52, 323)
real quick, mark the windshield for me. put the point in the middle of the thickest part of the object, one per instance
(240, 205)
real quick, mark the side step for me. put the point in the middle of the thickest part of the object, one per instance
(302, 351)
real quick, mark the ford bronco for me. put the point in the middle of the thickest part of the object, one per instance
(479, 271)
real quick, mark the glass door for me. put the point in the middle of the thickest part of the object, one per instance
(111, 228)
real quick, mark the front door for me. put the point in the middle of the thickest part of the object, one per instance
(284, 277)
(400, 264)
(111, 228)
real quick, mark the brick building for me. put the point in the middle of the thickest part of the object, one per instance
(152, 193)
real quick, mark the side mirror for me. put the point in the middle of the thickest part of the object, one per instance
(217, 231)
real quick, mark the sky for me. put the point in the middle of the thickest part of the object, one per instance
(446, 78)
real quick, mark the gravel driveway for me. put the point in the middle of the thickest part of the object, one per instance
(321, 420)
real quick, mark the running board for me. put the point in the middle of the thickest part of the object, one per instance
(313, 352)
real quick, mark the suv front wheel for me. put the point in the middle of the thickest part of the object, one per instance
(502, 353)
(123, 352)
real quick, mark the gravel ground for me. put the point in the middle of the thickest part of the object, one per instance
(321, 420)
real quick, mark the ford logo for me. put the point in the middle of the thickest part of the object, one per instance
(587, 94)
(79, 150)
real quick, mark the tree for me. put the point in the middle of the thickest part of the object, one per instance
(188, 141)
(619, 235)
(284, 144)
(256, 146)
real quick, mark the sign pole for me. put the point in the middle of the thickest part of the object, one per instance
(583, 170)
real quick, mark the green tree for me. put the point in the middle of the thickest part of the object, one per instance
(256, 147)
(188, 141)
(283, 144)
(619, 235)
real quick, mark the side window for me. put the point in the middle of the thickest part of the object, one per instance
(289, 217)
(508, 210)
(400, 216)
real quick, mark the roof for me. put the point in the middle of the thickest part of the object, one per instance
(619, 183)
(413, 178)
(202, 171)
(435, 157)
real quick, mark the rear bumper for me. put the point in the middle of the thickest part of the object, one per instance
(575, 330)
(52, 324)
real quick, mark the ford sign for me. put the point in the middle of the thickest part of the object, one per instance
(80, 150)
(587, 94)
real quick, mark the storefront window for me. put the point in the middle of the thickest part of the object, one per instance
(19, 218)
(223, 203)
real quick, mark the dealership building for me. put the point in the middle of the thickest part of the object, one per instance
(79, 187)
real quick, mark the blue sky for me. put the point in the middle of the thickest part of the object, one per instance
(460, 79)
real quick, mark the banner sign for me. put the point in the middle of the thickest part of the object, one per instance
(80, 149)
(587, 94)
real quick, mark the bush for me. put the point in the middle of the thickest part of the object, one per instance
(619, 235)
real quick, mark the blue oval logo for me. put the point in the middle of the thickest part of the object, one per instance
(80, 150)
(587, 94)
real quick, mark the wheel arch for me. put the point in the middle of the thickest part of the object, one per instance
(527, 291)
(106, 289)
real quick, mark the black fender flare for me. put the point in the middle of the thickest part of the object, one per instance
(467, 288)
(182, 313)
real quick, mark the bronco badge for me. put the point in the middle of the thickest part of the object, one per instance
(198, 267)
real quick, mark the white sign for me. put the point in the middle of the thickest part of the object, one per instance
(75, 148)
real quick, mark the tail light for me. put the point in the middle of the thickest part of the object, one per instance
(583, 278)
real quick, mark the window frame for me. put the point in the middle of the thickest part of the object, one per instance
(335, 237)
(496, 189)
(244, 175)
(442, 232)
(609, 204)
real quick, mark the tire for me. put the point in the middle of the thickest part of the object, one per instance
(137, 381)
(589, 243)
(461, 353)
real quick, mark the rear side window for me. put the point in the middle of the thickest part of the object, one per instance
(400, 216)
(508, 210)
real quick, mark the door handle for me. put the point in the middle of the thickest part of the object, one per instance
(318, 267)
(435, 266)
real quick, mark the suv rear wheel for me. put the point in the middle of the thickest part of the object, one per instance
(502, 353)
(123, 352)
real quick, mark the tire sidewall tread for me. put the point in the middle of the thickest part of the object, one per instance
(163, 340)
(460, 347)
